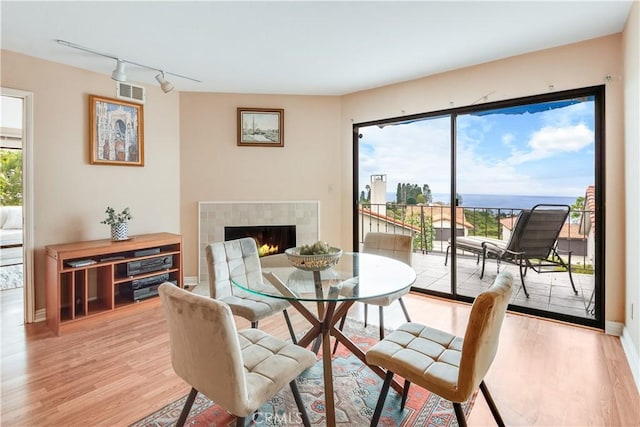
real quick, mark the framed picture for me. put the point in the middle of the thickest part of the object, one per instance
(261, 127)
(116, 132)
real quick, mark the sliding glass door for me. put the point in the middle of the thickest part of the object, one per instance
(459, 181)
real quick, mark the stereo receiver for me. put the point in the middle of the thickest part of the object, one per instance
(148, 265)
(147, 287)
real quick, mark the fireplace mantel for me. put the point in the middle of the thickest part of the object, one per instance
(214, 216)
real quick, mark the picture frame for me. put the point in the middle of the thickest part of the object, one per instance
(260, 127)
(116, 132)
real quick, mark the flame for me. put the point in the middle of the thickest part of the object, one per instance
(267, 250)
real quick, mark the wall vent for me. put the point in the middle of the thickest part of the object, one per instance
(130, 92)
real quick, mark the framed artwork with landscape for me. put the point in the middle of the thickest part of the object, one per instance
(261, 127)
(116, 132)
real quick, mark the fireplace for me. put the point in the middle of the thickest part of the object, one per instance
(271, 239)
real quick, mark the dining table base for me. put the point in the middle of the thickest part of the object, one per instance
(323, 327)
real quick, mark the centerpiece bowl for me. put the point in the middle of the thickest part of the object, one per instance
(313, 262)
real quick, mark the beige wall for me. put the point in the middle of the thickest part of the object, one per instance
(70, 195)
(575, 66)
(631, 48)
(214, 168)
(191, 152)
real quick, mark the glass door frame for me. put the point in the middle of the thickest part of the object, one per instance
(598, 92)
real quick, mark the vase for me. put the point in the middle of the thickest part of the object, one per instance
(119, 231)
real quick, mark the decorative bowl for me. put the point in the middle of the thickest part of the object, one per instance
(313, 262)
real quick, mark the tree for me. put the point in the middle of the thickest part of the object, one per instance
(426, 191)
(10, 177)
(576, 209)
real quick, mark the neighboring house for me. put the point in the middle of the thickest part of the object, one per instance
(439, 215)
(441, 222)
(506, 226)
(376, 222)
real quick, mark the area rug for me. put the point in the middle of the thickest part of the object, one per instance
(356, 393)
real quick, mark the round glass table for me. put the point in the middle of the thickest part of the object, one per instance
(356, 277)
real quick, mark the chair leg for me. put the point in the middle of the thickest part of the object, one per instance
(187, 407)
(522, 274)
(462, 421)
(381, 399)
(341, 327)
(366, 310)
(381, 316)
(484, 253)
(405, 393)
(240, 422)
(291, 332)
(492, 404)
(300, 404)
(404, 309)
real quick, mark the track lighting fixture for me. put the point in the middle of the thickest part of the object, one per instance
(164, 85)
(118, 73)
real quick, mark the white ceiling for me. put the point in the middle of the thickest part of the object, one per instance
(299, 47)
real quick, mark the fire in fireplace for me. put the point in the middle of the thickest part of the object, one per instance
(271, 239)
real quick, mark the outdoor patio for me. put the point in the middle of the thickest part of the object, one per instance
(548, 291)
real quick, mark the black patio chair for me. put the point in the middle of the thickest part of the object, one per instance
(533, 243)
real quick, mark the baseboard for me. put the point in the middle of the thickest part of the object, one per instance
(613, 328)
(632, 356)
(190, 281)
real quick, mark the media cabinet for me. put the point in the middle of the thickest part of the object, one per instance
(77, 288)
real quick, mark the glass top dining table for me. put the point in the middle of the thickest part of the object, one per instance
(355, 277)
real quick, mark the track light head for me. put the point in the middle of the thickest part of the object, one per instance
(164, 85)
(118, 74)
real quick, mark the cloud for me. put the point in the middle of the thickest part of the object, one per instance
(550, 141)
(420, 153)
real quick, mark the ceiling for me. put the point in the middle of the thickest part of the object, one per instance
(298, 47)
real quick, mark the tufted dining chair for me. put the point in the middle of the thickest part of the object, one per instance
(449, 366)
(238, 370)
(240, 256)
(396, 246)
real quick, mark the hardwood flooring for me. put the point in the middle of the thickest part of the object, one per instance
(115, 369)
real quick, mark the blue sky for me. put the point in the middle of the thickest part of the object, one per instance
(547, 153)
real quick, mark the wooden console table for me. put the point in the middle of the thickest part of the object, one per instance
(86, 279)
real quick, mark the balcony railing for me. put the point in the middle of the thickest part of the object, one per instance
(431, 225)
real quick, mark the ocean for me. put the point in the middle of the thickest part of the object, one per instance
(500, 200)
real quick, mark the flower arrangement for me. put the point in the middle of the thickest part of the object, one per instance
(114, 218)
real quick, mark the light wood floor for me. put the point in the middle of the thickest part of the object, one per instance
(115, 369)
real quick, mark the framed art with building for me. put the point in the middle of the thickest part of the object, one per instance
(116, 132)
(261, 127)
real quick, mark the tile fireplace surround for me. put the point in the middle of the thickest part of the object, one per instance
(214, 216)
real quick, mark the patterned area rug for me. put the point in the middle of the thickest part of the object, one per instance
(356, 393)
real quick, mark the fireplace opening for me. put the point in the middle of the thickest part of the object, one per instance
(271, 239)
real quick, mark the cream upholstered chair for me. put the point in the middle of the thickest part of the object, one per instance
(237, 370)
(240, 256)
(397, 246)
(449, 366)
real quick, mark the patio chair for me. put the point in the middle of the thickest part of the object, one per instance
(533, 244)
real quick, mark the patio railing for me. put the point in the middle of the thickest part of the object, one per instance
(431, 225)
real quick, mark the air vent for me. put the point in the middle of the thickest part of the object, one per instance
(130, 92)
